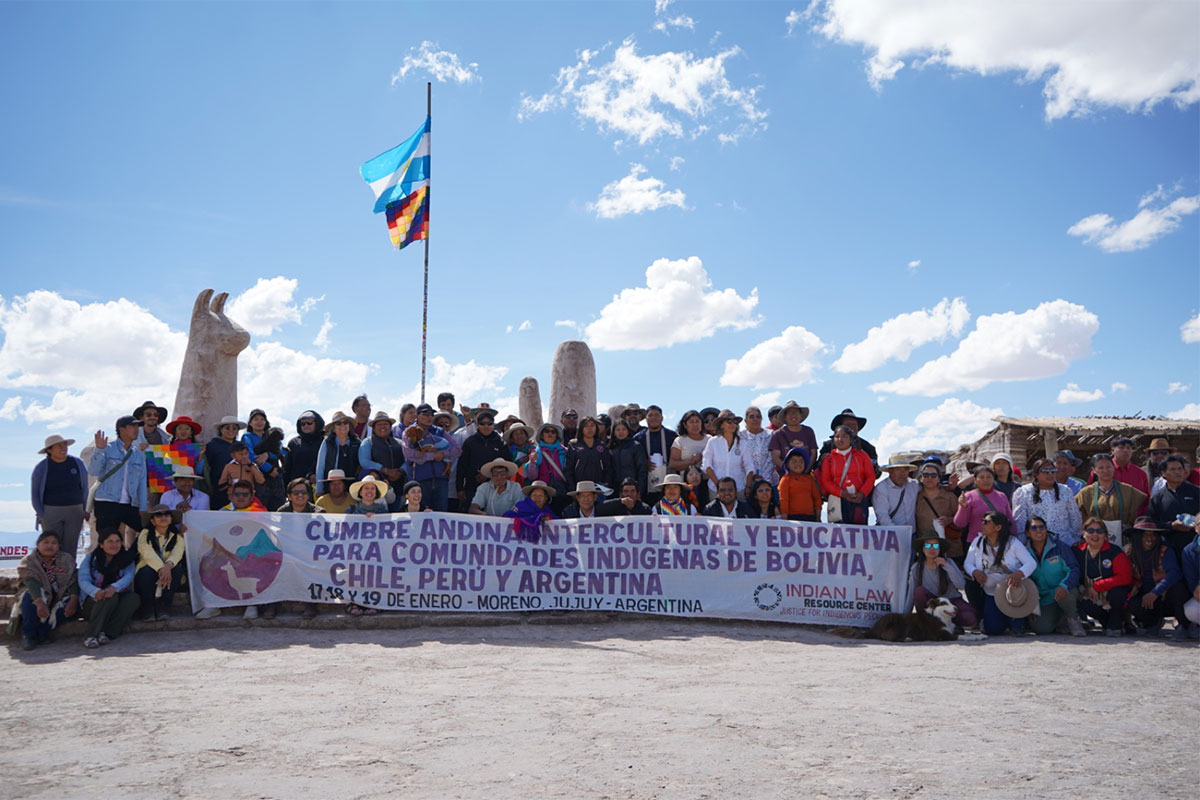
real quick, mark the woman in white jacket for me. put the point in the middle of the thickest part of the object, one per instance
(996, 556)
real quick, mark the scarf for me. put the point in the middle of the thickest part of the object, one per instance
(54, 577)
(559, 452)
(527, 520)
(678, 508)
(109, 569)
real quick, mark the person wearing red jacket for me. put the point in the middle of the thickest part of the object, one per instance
(1105, 577)
(847, 477)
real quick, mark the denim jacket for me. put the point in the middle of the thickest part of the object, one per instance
(133, 471)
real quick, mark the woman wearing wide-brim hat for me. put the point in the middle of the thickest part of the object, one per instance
(856, 424)
(217, 454)
(369, 494)
(674, 502)
(530, 514)
(935, 575)
(59, 490)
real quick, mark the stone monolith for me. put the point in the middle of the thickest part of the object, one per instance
(572, 380)
(529, 403)
(208, 379)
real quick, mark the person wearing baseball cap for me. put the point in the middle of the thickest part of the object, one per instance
(59, 490)
(120, 471)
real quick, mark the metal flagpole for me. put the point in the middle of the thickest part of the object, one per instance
(425, 295)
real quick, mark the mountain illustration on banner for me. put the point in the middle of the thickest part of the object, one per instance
(162, 459)
(243, 573)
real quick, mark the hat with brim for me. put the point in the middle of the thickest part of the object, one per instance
(1069, 456)
(788, 406)
(1159, 443)
(634, 408)
(506, 423)
(473, 413)
(1147, 525)
(539, 485)
(846, 412)
(381, 488)
(182, 471)
(1000, 457)
(183, 419)
(53, 440)
(381, 416)
(585, 486)
(709, 411)
(162, 412)
(727, 416)
(337, 417)
(899, 465)
(928, 536)
(451, 420)
(556, 428)
(161, 508)
(671, 480)
(336, 475)
(230, 421)
(508, 434)
(1017, 601)
(486, 470)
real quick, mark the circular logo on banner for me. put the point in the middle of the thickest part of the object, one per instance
(767, 597)
(241, 562)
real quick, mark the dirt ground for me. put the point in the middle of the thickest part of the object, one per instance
(637, 709)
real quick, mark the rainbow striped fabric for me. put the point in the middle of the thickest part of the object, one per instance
(161, 460)
(408, 220)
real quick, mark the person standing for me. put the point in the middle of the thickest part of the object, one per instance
(58, 491)
(1126, 471)
(855, 423)
(793, 433)
(360, 425)
(895, 499)
(758, 439)
(1050, 500)
(120, 471)
(1066, 463)
(481, 447)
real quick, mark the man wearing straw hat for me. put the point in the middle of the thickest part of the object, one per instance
(895, 499)
(59, 489)
(584, 507)
(185, 496)
(500, 493)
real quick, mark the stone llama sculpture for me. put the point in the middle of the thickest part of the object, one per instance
(573, 380)
(208, 380)
(529, 402)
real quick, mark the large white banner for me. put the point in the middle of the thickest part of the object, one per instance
(685, 566)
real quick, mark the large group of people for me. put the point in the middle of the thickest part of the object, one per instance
(1109, 544)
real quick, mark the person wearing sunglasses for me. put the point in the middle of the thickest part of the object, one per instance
(161, 564)
(1105, 576)
(935, 511)
(481, 447)
(1056, 578)
(1052, 501)
(935, 575)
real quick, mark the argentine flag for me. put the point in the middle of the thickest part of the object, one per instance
(394, 174)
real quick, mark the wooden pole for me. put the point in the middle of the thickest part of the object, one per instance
(425, 294)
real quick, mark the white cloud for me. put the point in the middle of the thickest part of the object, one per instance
(100, 360)
(441, 65)
(953, 423)
(793, 20)
(1176, 387)
(676, 163)
(1189, 411)
(1128, 54)
(470, 383)
(1190, 330)
(645, 97)
(663, 21)
(633, 195)
(286, 381)
(322, 338)
(1119, 387)
(267, 305)
(677, 304)
(1073, 394)
(1037, 343)
(784, 360)
(1138, 232)
(912, 265)
(899, 336)
(11, 407)
(765, 401)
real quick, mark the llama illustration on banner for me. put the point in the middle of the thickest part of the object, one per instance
(241, 562)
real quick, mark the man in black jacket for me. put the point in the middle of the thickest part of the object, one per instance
(478, 449)
(727, 503)
(628, 504)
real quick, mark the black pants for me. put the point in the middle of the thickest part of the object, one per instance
(110, 514)
(1169, 605)
(144, 583)
(1112, 618)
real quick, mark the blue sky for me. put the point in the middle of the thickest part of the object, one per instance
(1013, 208)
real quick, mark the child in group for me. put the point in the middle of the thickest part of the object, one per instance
(799, 497)
(241, 468)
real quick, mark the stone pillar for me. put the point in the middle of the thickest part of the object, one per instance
(208, 379)
(529, 403)
(572, 380)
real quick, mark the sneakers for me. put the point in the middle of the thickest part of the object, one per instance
(208, 613)
(1076, 627)
(251, 612)
(103, 638)
(27, 643)
(1180, 634)
(162, 616)
(91, 642)
(1113, 633)
(1153, 628)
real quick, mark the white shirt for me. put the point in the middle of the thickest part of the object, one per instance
(981, 557)
(728, 462)
(887, 495)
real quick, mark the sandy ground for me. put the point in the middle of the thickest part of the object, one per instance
(627, 709)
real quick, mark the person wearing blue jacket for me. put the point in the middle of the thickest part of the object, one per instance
(1056, 578)
(106, 583)
(120, 471)
(1158, 589)
(58, 491)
